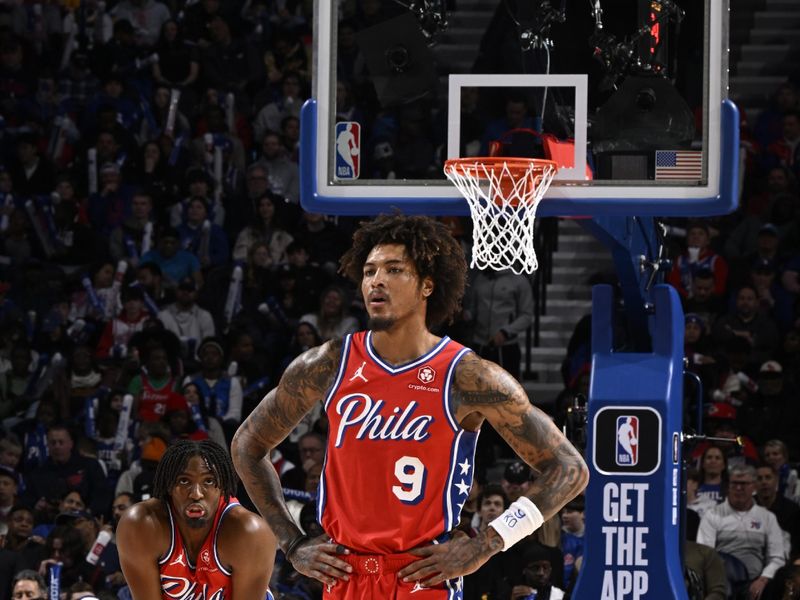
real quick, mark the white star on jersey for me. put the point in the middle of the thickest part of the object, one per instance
(464, 467)
(463, 488)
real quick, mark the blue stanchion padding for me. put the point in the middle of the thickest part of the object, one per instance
(633, 540)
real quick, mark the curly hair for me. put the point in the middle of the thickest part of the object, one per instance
(430, 246)
(177, 457)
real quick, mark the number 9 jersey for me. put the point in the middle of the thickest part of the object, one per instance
(398, 467)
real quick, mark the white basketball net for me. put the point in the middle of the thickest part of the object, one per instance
(502, 204)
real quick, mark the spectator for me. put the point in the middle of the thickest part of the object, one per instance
(713, 475)
(537, 571)
(197, 21)
(488, 580)
(132, 238)
(785, 151)
(71, 504)
(174, 262)
(698, 255)
(773, 300)
(288, 54)
(194, 397)
(243, 208)
(20, 539)
(288, 104)
(323, 241)
(109, 559)
(697, 503)
(148, 16)
(697, 343)
(65, 470)
(500, 307)
(32, 174)
(786, 511)
(310, 277)
(290, 135)
(9, 486)
(305, 337)
(206, 240)
(152, 442)
(516, 116)
(746, 535)
(746, 322)
(771, 411)
(118, 332)
(228, 62)
(704, 572)
(221, 393)
(149, 277)
(154, 388)
(111, 205)
(65, 545)
(266, 229)
(199, 185)
(769, 127)
(311, 448)
(186, 319)
(331, 319)
(28, 584)
(10, 452)
(157, 117)
(760, 243)
(776, 455)
(721, 422)
(283, 175)
(160, 179)
(177, 64)
(572, 542)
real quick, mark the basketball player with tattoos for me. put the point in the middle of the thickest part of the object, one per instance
(405, 407)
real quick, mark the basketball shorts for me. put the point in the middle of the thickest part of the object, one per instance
(375, 576)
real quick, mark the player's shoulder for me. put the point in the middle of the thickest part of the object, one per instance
(325, 355)
(242, 528)
(147, 512)
(241, 520)
(475, 378)
(144, 525)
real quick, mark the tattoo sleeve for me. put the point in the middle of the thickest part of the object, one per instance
(305, 382)
(484, 388)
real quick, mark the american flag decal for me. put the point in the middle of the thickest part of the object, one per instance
(679, 164)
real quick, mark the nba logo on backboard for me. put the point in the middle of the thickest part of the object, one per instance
(627, 440)
(348, 150)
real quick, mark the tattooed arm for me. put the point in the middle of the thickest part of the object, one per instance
(483, 391)
(305, 382)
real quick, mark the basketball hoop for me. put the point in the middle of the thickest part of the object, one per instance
(503, 193)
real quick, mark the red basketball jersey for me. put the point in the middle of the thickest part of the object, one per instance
(206, 580)
(398, 467)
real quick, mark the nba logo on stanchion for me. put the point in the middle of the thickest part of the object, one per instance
(627, 440)
(348, 150)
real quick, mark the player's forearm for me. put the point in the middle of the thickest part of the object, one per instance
(559, 480)
(263, 486)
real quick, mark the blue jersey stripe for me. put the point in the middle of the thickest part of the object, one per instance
(322, 487)
(404, 367)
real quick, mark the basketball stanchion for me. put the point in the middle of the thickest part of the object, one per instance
(503, 194)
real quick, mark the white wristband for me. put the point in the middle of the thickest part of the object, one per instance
(519, 520)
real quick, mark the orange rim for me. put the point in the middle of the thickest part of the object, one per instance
(515, 165)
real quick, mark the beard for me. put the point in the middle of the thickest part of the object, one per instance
(197, 523)
(380, 323)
